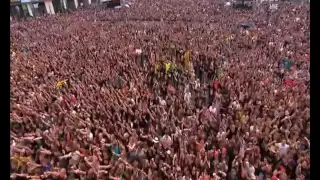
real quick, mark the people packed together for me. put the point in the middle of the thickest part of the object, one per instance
(162, 90)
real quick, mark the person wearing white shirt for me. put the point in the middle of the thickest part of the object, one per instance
(166, 141)
(283, 147)
(187, 97)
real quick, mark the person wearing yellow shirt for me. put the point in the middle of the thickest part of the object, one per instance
(157, 67)
(21, 160)
(60, 84)
(167, 66)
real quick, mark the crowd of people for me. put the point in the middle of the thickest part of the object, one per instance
(177, 90)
